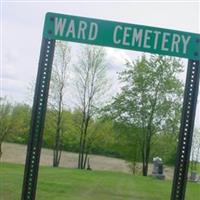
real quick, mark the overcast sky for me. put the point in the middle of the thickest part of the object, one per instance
(22, 25)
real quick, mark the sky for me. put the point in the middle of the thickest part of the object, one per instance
(22, 26)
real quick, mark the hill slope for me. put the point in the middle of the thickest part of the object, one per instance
(16, 153)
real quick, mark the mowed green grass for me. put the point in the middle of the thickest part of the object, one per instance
(74, 184)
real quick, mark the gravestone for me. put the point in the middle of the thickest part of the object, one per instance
(194, 177)
(158, 168)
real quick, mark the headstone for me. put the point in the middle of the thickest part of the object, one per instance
(194, 177)
(158, 168)
(88, 165)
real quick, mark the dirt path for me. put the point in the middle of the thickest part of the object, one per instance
(16, 153)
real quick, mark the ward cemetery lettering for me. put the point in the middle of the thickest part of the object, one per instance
(122, 35)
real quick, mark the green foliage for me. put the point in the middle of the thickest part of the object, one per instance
(151, 92)
(101, 137)
(5, 121)
(16, 120)
(20, 123)
(164, 146)
(150, 99)
(5, 118)
(127, 143)
(69, 130)
(105, 136)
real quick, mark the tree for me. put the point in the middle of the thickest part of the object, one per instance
(5, 119)
(69, 137)
(57, 91)
(127, 144)
(164, 146)
(20, 121)
(149, 98)
(90, 73)
(101, 137)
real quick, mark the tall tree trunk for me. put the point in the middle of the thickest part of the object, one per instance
(57, 146)
(81, 141)
(57, 150)
(58, 83)
(147, 158)
(83, 150)
(144, 162)
(145, 168)
(146, 153)
(90, 73)
(0, 150)
(85, 160)
(147, 142)
(88, 149)
(5, 132)
(80, 150)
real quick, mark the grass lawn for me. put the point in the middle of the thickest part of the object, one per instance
(74, 184)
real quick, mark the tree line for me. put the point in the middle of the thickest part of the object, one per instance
(139, 122)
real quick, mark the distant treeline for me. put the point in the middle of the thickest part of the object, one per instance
(109, 138)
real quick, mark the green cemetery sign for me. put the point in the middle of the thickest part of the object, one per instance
(122, 35)
(116, 35)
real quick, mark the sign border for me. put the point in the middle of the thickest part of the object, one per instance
(103, 40)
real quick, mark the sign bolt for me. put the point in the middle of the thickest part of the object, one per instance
(52, 18)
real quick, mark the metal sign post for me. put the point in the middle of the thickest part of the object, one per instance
(186, 130)
(37, 119)
(117, 35)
